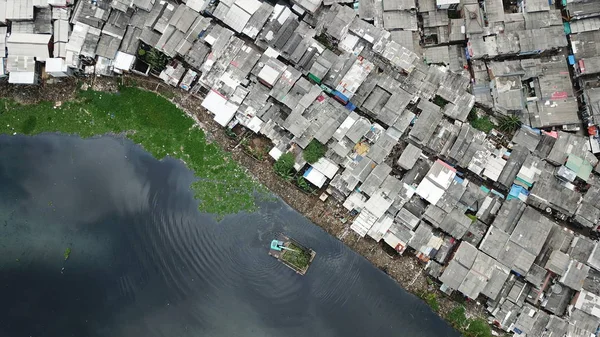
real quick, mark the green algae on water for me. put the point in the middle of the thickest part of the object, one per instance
(223, 187)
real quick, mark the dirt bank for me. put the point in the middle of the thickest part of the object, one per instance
(329, 215)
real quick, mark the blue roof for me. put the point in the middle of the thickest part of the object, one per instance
(307, 172)
(517, 190)
(275, 244)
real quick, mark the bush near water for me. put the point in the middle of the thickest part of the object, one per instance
(150, 120)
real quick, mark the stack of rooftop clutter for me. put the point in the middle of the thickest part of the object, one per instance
(583, 29)
(387, 89)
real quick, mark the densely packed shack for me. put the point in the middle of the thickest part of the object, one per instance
(391, 89)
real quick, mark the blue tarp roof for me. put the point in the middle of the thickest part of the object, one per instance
(517, 190)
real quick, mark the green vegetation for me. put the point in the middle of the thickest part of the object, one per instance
(483, 124)
(304, 185)
(284, 166)
(327, 43)
(298, 258)
(468, 327)
(509, 123)
(160, 127)
(258, 154)
(456, 317)
(253, 149)
(67, 253)
(439, 101)
(432, 301)
(478, 328)
(480, 123)
(472, 217)
(155, 59)
(230, 133)
(314, 151)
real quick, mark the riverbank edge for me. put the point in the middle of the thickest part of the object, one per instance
(406, 270)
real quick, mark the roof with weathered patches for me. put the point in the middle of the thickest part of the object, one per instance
(581, 248)
(548, 191)
(409, 156)
(494, 241)
(531, 231)
(454, 274)
(558, 262)
(375, 179)
(536, 5)
(575, 276)
(513, 165)
(509, 215)
(426, 122)
(400, 20)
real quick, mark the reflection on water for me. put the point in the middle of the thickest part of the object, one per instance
(145, 262)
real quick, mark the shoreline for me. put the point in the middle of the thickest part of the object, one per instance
(406, 270)
(327, 215)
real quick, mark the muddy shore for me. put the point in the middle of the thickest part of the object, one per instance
(329, 215)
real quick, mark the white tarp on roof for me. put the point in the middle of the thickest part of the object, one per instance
(275, 153)
(430, 191)
(123, 61)
(255, 124)
(327, 167)
(315, 177)
(220, 107)
(56, 65)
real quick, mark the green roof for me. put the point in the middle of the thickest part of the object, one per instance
(314, 78)
(581, 167)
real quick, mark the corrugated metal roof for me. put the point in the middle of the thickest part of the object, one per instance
(108, 46)
(220, 107)
(3, 41)
(21, 70)
(354, 77)
(396, 5)
(236, 18)
(146, 4)
(34, 45)
(400, 20)
(19, 10)
(3, 11)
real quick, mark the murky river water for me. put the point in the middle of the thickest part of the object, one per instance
(145, 262)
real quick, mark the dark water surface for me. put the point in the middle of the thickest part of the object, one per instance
(145, 262)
